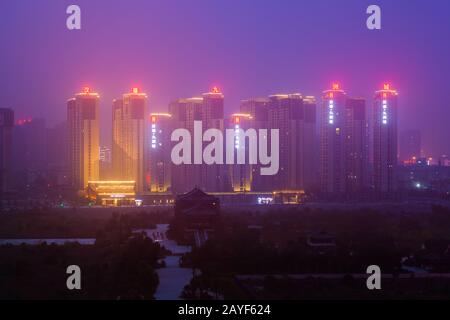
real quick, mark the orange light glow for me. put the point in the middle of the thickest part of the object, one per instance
(387, 86)
(237, 120)
(135, 90)
(335, 86)
(215, 90)
(385, 95)
(153, 119)
(331, 95)
(86, 90)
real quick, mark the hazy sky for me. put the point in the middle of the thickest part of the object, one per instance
(180, 48)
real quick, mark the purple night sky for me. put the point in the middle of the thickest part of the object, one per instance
(249, 48)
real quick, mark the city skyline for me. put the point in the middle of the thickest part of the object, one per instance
(224, 150)
(232, 47)
(357, 145)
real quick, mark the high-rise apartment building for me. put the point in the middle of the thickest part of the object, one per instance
(160, 164)
(385, 142)
(209, 109)
(130, 138)
(356, 147)
(343, 144)
(258, 109)
(83, 138)
(214, 177)
(294, 116)
(184, 112)
(241, 174)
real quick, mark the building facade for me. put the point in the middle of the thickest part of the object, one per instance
(241, 174)
(160, 165)
(83, 138)
(130, 138)
(356, 147)
(209, 109)
(295, 118)
(258, 109)
(385, 140)
(343, 144)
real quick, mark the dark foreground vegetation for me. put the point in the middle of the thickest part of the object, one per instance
(69, 223)
(121, 264)
(279, 255)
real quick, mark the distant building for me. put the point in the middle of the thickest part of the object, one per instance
(295, 117)
(29, 152)
(57, 154)
(241, 175)
(444, 161)
(356, 147)
(6, 127)
(184, 112)
(423, 177)
(214, 177)
(197, 216)
(160, 163)
(258, 109)
(112, 193)
(343, 144)
(130, 138)
(83, 138)
(410, 146)
(385, 140)
(209, 108)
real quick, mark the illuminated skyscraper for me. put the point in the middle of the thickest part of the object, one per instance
(184, 112)
(130, 138)
(385, 142)
(6, 126)
(241, 175)
(83, 136)
(117, 139)
(343, 144)
(209, 109)
(295, 117)
(160, 164)
(214, 177)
